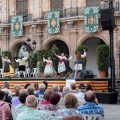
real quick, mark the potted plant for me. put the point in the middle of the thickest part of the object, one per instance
(102, 59)
(81, 48)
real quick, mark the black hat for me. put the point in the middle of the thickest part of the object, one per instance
(81, 86)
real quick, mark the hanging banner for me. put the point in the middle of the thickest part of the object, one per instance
(91, 19)
(17, 26)
(54, 22)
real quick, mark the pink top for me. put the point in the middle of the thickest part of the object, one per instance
(45, 102)
(7, 110)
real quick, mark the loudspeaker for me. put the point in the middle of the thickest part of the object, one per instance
(86, 74)
(107, 97)
(107, 19)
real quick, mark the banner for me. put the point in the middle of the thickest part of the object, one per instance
(53, 22)
(17, 26)
(91, 19)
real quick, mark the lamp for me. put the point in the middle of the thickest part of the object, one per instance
(34, 44)
(28, 41)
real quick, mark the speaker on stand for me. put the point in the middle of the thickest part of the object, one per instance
(86, 74)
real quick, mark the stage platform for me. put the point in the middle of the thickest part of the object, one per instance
(98, 84)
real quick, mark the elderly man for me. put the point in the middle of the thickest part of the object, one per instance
(90, 107)
(30, 113)
(56, 88)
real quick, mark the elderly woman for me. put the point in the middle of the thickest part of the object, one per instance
(36, 86)
(30, 90)
(22, 97)
(54, 99)
(70, 106)
(41, 89)
(73, 88)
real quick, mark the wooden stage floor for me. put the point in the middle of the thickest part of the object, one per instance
(98, 84)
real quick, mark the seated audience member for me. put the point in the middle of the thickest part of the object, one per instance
(15, 100)
(46, 84)
(89, 87)
(90, 107)
(27, 85)
(41, 89)
(47, 94)
(54, 99)
(22, 98)
(56, 88)
(80, 95)
(36, 86)
(30, 112)
(70, 106)
(6, 86)
(73, 88)
(66, 90)
(7, 98)
(5, 106)
(30, 90)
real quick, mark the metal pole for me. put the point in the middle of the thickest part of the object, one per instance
(112, 60)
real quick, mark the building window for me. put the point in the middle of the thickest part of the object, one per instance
(22, 9)
(93, 2)
(57, 5)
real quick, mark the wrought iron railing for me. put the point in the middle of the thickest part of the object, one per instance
(79, 11)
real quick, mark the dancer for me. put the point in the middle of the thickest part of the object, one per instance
(21, 62)
(63, 66)
(78, 66)
(8, 71)
(49, 70)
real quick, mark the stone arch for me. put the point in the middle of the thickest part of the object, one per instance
(49, 41)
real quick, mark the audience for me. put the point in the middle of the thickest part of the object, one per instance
(31, 113)
(36, 86)
(80, 95)
(47, 94)
(88, 87)
(16, 90)
(22, 98)
(46, 84)
(70, 106)
(27, 85)
(6, 86)
(30, 90)
(90, 107)
(5, 106)
(73, 88)
(41, 89)
(66, 90)
(56, 88)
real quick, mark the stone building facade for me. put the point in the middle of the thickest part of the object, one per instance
(71, 24)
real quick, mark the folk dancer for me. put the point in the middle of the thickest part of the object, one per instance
(21, 62)
(78, 66)
(8, 71)
(63, 66)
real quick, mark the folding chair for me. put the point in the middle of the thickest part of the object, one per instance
(15, 113)
(92, 117)
(3, 113)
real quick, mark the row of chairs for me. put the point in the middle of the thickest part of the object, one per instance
(27, 74)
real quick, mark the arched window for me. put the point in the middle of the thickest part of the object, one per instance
(22, 9)
(93, 2)
(57, 5)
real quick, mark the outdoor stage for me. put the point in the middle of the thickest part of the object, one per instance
(98, 84)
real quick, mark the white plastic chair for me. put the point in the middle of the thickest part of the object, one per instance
(17, 73)
(40, 98)
(27, 72)
(92, 117)
(37, 73)
(15, 113)
(55, 118)
(3, 113)
(34, 72)
(1, 72)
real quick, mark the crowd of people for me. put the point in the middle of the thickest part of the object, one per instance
(66, 103)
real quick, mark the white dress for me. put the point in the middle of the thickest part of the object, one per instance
(48, 68)
(61, 65)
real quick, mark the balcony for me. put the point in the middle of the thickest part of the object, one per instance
(79, 11)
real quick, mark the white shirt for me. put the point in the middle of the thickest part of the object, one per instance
(80, 96)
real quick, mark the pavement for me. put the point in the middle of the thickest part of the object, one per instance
(112, 111)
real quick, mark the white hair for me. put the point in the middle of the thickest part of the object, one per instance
(56, 88)
(30, 87)
(31, 101)
(42, 86)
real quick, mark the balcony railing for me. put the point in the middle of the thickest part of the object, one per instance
(79, 11)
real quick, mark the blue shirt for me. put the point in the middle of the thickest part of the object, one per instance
(91, 108)
(40, 92)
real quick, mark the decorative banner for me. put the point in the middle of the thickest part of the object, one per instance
(53, 22)
(17, 26)
(91, 20)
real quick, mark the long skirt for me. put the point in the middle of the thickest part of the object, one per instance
(48, 70)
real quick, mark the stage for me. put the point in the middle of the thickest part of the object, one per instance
(98, 84)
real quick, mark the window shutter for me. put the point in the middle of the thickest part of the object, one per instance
(93, 2)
